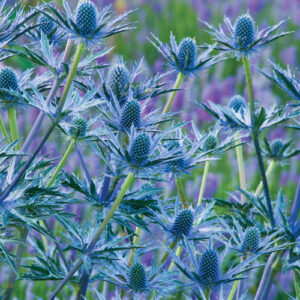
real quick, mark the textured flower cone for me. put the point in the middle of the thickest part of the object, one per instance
(46, 24)
(131, 114)
(237, 103)
(276, 147)
(8, 80)
(86, 18)
(137, 277)
(244, 31)
(187, 53)
(183, 223)
(210, 143)
(140, 149)
(178, 163)
(118, 79)
(209, 267)
(251, 240)
(78, 128)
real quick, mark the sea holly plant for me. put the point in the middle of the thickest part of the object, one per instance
(101, 196)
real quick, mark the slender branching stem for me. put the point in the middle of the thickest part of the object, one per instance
(177, 84)
(203, 183)
(296, 205)
(84, 282)
(268, 173)
(234, 288)
(127, 183)
(255, 137)
(37, 124)
(135, 241)
(13, 273)
(180, 189)
(13, 125)
(62, 162)
(3, 130)
(241, 167)
(83, 164)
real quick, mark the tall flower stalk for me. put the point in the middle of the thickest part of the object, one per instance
(13, 125)
(255, 136)
(4, 131)
(241, 167)
(203, 182)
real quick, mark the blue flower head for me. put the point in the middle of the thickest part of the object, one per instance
(46, 24)
(209, 267)
(251, 241)
(137, 277)
(140, 149)
(237, 103)
(276, 147)
(177, 164)
(183, 223)
(244, 32)
(187, 53)
(8, 81)
(86, 18)
(243, 38)
(118, 81)
(78, 128)
(131, 114)
(210, 143)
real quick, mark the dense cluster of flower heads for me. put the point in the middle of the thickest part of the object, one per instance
(138, 229)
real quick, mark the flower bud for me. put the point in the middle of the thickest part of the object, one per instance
(187, 53)
(209, 267)
(86, 18)
(131, 114)
(244, 31)
(137, 277)
(251, 240)
(140, 149)
(183, 223)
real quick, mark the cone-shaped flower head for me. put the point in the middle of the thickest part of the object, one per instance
(209, 267)
(140, 149)
(9, 81)
(178, 163)
(251, 240)
(131, 114)
(187, 53)
(276, 147)
(137, 277)
(244, 32)
(237, 103)
(86, 18)
(46, 24)
(78, 128)
(210, 143)
(118, 80)
(183, 223)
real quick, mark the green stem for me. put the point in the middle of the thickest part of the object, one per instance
(165, 256)
(255, 134)
(12, 118)
(268, 173)
(135, 241)
(13, 273)
(71, 75)
(3, 130)
(241, 167)
(177, 84)
(62, 162)
(234, 288)
(180, 191)
(127, 183)
(178, 253)
(203, 183)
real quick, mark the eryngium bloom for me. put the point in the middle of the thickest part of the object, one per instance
(243, 38)
(179, 163)
(209, 267)
(78, 128)
(210, 143)
(118, 81)
(183, 223)
(137, 277)
(86, 18)
(183, 57)
(131, 114)
(8, 81)
(237, 103)
(140, 149)
(251, 240)
(276, 147)
(46, 24)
